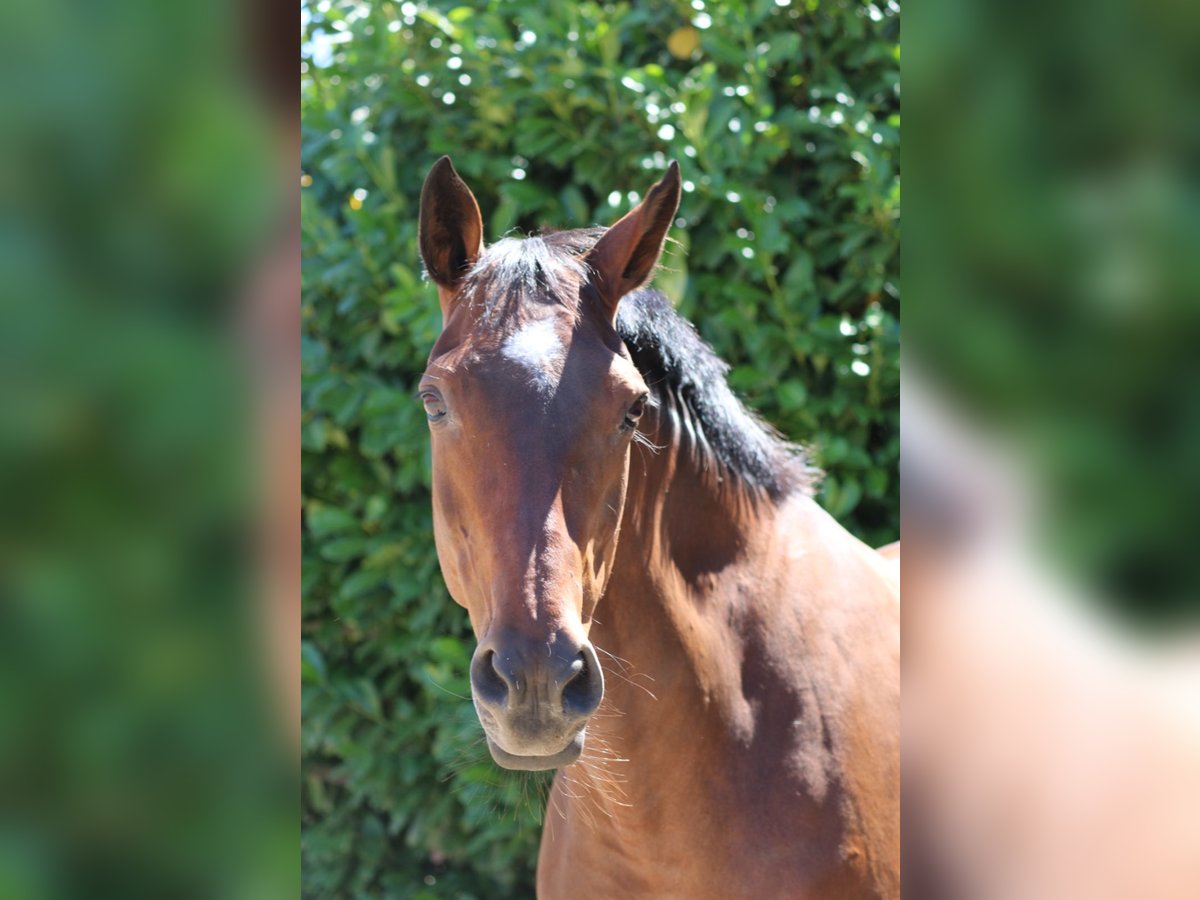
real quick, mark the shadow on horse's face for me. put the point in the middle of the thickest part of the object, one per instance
(533, 402)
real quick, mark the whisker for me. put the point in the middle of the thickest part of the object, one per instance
(641, 687)
(447, 690)
(626, 667)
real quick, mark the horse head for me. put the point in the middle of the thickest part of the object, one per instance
(533, 402)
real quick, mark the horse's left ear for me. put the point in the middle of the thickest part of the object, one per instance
(624, 258)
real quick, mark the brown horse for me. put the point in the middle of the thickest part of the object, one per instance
(598, 489)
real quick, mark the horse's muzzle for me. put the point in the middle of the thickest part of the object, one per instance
(534, 699)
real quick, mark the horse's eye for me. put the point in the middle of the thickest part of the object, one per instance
(435, 406)
(634, 413)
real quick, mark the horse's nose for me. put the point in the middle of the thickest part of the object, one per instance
(549, 682)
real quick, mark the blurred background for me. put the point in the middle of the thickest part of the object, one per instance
(1054, 270)
(784, 118)
(146, 722)
(1051, 500)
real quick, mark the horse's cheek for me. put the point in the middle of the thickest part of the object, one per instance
(451, 551)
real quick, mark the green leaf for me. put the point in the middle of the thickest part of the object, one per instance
(324, 520)
(312, 664)
(343, 549)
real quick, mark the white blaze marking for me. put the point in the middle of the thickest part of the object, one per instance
(538, 348)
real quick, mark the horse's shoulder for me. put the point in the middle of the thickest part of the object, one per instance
(826, 560)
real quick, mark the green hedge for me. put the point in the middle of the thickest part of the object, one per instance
(785, 120)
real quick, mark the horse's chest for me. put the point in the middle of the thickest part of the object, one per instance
(692, 850)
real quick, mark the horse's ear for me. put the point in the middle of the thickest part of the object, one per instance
(625, 257)
(450, 228)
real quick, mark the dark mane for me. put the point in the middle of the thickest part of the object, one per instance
(688, 377)
(685, 375)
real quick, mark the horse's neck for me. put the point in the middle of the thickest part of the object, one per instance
(751, 690)
(692, 580)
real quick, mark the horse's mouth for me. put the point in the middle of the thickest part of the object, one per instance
(564, 757)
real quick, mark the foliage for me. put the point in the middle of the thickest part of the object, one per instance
(785, 120)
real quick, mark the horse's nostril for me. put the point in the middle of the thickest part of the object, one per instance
(577, 670)
(584, 688)
(487, 680)
(507, 684)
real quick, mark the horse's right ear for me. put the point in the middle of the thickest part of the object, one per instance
(450, 229)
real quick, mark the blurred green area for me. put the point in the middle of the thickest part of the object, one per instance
(1053, 267)
(140, 754)
(785, 120)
